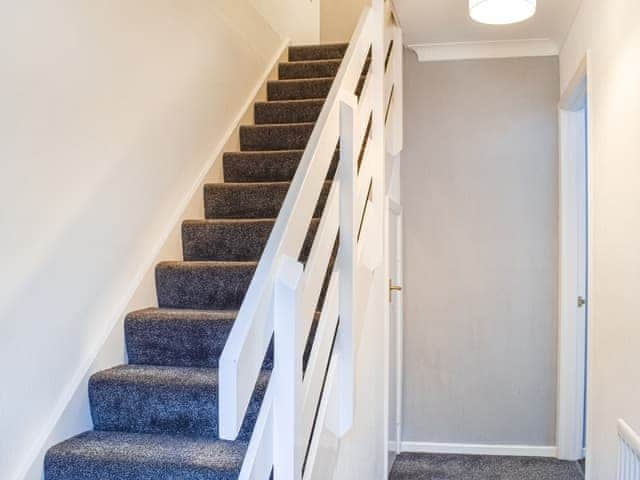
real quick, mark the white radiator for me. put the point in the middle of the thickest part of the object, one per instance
(629, 453)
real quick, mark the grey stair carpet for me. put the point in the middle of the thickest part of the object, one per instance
(291, 136)
(157, 417)
(298, 89)
(287, 111)
(233, 240)
(250, 200)
(308, 69)
(252, 167)
(317, 52)
(416, 466)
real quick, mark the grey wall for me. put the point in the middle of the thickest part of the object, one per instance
(480, 199)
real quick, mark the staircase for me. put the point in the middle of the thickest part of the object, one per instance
(156, 418)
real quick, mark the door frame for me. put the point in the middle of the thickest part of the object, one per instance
(396, 209)
(393, 209)
(573, 340)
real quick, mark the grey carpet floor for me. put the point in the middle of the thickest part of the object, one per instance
(465, 467)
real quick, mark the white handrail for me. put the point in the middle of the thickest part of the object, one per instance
(629, 436)
(628, 452)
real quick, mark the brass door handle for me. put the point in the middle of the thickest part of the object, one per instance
(393, 288)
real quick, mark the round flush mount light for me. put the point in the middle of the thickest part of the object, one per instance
(501, 12)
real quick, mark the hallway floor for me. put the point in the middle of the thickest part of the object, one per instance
(416, 466)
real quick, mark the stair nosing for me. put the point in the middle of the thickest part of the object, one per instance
(292, 100)
(317, 61)
(267, 125)
(309, 79)
(207, 263)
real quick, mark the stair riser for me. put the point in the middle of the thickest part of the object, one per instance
(313, 69)
(182, 345)
(299, 111)
(232, 241)
(256, 167)
(317, 52)
(275, 137)
(158, 409)
(224, 241)
(300, 70)
(179, 343)
(255, 201)
(298, 89)
(203, 288)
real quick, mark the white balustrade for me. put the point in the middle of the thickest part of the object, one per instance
(283, 297)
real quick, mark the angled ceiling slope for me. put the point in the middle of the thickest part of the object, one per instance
(443, 30)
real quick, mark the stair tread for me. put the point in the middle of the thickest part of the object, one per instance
(207, 264)
(272, 153)
(251, 184)
(232, 221)
(137, 456)
(292, 101)
(312, 62)
(166, 376)
(181, 313)
(282, 126)
(291, 81)
(246, 184)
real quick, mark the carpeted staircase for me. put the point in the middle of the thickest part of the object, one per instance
(157, 417)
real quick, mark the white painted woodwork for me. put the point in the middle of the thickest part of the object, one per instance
(628, 452)
(345, 262)
(288, 348)
(438, 52)
(572, 328)
(283, 295)
(259, 458)
(244, 352)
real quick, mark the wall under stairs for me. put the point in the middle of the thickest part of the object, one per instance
(113, 114)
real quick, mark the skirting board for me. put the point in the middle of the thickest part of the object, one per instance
(475, 449)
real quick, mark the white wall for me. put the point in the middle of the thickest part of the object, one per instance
(480, 199)
(610, 30)
(338, 19)
(112, 112)
(297, 20)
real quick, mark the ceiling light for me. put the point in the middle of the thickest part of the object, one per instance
(501, 12)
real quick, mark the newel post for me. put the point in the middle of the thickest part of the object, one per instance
(346, 262)
(287, 371)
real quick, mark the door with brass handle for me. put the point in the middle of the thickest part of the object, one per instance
(393, 288)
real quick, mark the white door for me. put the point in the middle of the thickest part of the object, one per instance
(395, 329)
(572, 355)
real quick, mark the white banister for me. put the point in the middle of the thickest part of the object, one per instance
(349, 151)
(284, 296)
(628, 452)
(288, 348)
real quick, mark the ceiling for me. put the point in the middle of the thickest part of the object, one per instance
(448, 21)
